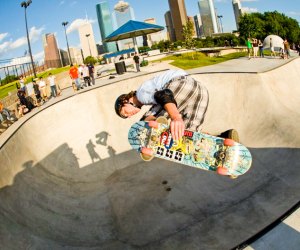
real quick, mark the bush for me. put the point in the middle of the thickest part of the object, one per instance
(144, 63)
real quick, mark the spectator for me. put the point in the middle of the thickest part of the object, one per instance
(74, 74)
(52, 83)
(86, 76)
(249, 47)
(286, 49)
(37, 93)
(255, 47)
(136, 60)
(22, 109)
(91, 72)
(22, 83)
(23, 100)
(5, 112)
(43, 89)
(261, 48)
(272, 48)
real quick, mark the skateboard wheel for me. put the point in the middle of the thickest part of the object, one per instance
(153, 124)
(147, 151)
(233, 176)
(222, 171)
(228, 142)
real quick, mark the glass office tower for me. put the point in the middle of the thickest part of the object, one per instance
(122, 14)
(105, 25)
(237, 9)
(208, 17)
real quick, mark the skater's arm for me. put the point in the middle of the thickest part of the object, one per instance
(177, 125)
(166, 99)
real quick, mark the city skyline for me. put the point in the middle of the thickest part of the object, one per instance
(13, 41)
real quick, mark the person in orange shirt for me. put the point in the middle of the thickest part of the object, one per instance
(74, 74)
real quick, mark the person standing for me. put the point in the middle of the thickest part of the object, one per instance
(249, 47)
(136, 60)
(91, 72)
(74, 74)
(86, 76)
(52, 84)
(286, 48)
(22, 83)
(261, 48)
(43, 89)
(37, 92)
(272, 48)
(255, 47)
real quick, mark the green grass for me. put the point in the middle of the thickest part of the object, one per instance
(12, 86)
(198, 59)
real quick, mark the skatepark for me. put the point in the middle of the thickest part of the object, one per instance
(69, 179)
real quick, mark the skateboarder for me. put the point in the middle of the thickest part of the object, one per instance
(174, 94)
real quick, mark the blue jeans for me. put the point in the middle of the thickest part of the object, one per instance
(77, 83)
(6, 113)
(53, 91)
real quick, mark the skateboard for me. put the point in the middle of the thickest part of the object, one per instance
(195, 149)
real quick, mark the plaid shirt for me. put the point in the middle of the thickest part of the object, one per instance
(192, 101)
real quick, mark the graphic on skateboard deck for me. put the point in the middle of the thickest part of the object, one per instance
(195, 149)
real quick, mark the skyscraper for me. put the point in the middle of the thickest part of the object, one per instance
(51, 51)
(198, 25)
(122, 14)
(191, 19)
(237, 9)
(179, 17)
(208, 17)
(170, 26)
(105, 25)
(87, 40)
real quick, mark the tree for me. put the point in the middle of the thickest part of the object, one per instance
(188, 33)
(261, 25)
(90, 59)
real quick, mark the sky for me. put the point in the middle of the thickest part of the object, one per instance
(46, 16)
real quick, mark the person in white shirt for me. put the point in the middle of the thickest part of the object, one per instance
(51, 79)
(86, 76)
(43, 89)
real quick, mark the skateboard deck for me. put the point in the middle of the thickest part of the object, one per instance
(194, 149)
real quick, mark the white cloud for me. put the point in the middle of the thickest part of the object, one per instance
(4, 46)
(18, 43)
(76, 24)
(2, 36)
(249, 10)
(62, 2)
(34, 35)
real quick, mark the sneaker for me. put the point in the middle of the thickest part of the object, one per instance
(230, 134)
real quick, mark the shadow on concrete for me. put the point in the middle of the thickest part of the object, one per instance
(56, 204)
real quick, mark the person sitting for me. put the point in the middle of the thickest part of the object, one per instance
(22, 109)
(4, 112)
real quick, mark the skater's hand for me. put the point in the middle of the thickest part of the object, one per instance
(150, 118)
(177, 128)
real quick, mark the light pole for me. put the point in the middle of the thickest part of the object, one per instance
(220, 18)
(25, 4)
(87, 36)
(65, 24)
